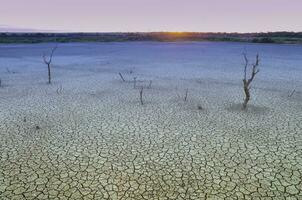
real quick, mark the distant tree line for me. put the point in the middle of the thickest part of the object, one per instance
(270, 37)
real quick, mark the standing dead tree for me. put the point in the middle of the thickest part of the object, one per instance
(186, 95)
(134, 82)
(48, 61)
(141, 95)
(121, 76)
(247, 81)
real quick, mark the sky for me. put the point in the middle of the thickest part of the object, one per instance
(151, 15)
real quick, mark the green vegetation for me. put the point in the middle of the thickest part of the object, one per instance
(273, 37)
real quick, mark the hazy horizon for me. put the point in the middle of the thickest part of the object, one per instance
(150, 16)
(8, 29)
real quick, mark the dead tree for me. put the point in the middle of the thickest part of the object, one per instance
(121, 76)
(186, 95)
(247, 81)
(48, 62)
(141, 95)
(134, 82)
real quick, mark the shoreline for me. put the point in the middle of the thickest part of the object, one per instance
(262, 38)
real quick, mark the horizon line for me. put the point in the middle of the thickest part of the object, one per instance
(108, 32)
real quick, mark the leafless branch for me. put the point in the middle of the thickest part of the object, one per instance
(141, 95)
(134, 82)
(292, 93)
(246, 64)
(49, 59)
(186, 94)
(121, 76)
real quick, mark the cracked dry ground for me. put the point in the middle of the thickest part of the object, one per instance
(104, 145)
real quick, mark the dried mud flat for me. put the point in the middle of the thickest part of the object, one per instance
(86, 136)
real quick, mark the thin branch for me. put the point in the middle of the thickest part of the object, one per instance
(49, 60)
(246, 64)
(52, 52)
(255, 69)
(134, 82)
(186, 94)
(292, 93)
(45, 59)
(121, 76)
(141, 95)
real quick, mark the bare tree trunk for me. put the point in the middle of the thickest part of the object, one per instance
(49, 74)
(247, 82)
(247, 95)
(186, 94)
(134, 82)
(141, 95)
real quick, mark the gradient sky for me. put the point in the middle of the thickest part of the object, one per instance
(152, 15)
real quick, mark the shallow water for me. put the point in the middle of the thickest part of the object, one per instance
(86, 135)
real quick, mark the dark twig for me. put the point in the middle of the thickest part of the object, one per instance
(141, 95)
(134, 82)
(121, 76)
(186, 94)
(292, 93)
